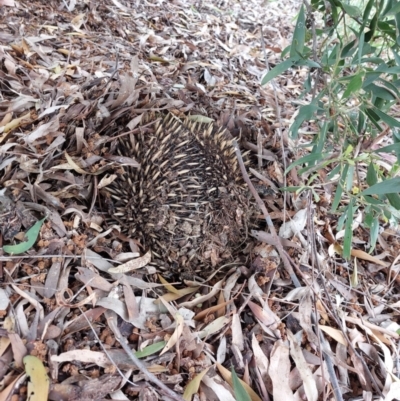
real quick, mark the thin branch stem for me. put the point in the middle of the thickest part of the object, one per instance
(268, 220)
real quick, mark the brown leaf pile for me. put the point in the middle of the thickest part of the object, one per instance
(75, 73)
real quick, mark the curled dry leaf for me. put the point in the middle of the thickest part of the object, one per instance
(176, 334)
(191, 304)
(133, 264)
(265, 315)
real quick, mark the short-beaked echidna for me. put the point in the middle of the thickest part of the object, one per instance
(187, 202)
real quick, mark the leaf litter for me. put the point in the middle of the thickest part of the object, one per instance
(79, 299)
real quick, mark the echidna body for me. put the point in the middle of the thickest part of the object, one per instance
(187, 202)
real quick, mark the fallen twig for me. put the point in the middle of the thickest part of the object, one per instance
(261, 205)
(112, 321)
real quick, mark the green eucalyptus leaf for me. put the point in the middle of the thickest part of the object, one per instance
(395, 147)
(391, 186)
(372, 178)
(150, 349)
(354, 85)
(394, 200)
(240, 392)
(379, 91)
(277, 70)
(392, 122)
(397, 22)
(353, 11)
(31, 236)
(305, 113)
(348, 231)
(299, 35)
(311, 158)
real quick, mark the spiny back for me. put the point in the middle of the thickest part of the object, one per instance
(187, 202)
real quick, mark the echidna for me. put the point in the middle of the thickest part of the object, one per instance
(187, 202)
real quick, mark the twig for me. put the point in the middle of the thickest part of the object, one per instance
(261, 205)
(332, 312)
(330, 368)
(105, 350)
(111, 319)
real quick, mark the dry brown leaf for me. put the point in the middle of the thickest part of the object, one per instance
(134, 264)
(83, 355)
(310, 387)
(191, 304)
(193, 386)
(334, 333)
(279, 370)
(264, 315)
(176, 334)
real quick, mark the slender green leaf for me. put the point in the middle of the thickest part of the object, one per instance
(372, 201)
(368, 9)
(388, 69)
(397, 22)
(388, 29)
(389, 86)
(369, 216)
(395, 147)
(305, 113)
(353, 11)
(277, 70)
(391, 186)
(372, 27)
(335, 170)
(299, 35)
(240, 392)
(372, 178)
(150, 349)
(321, 142)
(348, 231)
(373, 117)
(361, 122)
(31, 236)
(380, 92)
(370, 77)
(313, 157)
(388, 7)
(372, 60)
(308, 63)
(349, 49)
(392, 122)
(360, 47)
(354, 85)
(396, 139)
(394, 200)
